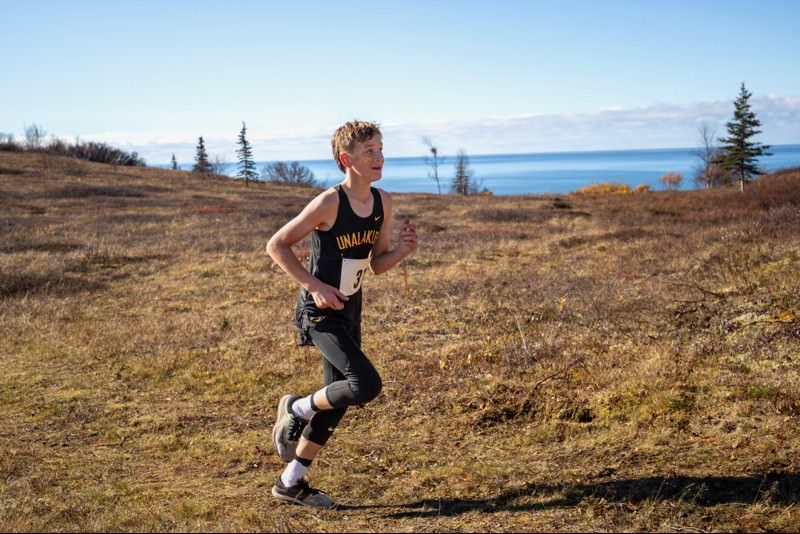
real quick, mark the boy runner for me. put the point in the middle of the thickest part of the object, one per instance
(350, 226)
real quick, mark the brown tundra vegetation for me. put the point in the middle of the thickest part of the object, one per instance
(571, 363)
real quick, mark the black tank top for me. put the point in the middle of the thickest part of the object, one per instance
(340, 258)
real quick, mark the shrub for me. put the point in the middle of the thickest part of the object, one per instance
(672, 180)
(643, 188)
(7, 143)
(292, 174)
(775, 191)
(91, 151)
(606, 189)
(103, 153)
(57, 146)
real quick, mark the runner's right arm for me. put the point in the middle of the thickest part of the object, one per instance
(320, 213)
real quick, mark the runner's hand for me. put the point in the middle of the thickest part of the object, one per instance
(329, 297)
(408, 237)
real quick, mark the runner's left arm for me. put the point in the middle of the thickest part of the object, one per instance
(383, 256)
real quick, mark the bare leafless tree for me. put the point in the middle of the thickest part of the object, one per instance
(218, 165)
(708, 174)
(433, 162)
(34, 136)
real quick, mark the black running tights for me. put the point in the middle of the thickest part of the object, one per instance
(351, 378)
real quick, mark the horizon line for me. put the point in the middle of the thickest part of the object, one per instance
(555, 152)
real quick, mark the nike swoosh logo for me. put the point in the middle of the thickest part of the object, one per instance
(378, 218)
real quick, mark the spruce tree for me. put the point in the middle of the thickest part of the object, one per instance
(462, 181)
(201, 166)
(175, 163)
(247, 167)
(738, 154)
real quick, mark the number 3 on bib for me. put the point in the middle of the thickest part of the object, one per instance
(352, 275)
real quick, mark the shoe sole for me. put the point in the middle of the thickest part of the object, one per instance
(293, 500)
(283, 411)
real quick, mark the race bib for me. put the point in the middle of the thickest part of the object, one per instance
(353, 272)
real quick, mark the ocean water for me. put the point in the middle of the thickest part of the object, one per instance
(546, 173)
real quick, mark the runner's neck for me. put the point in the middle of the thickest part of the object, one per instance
(359, 192)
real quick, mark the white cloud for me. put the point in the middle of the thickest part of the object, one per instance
(656, 126)
(661, 125)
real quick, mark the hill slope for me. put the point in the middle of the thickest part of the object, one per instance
(550, 363)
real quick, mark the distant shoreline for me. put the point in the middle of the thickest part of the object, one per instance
(542, 173)
(507, 154)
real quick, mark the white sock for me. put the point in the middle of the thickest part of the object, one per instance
(293, 473)
(304, 408)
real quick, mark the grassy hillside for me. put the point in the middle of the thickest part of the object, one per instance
(550, 363)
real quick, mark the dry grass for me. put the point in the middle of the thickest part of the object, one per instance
(583, 362)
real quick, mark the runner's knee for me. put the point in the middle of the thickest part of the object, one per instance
(365, 387)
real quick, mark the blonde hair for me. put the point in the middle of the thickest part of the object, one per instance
(346, 136)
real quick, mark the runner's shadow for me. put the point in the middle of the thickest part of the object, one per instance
(777, 488)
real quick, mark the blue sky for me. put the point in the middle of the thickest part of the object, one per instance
(488, 77)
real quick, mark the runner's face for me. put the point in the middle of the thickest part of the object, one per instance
(366, 159)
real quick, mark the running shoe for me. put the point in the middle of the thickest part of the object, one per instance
(302, 494)
(287, 430)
